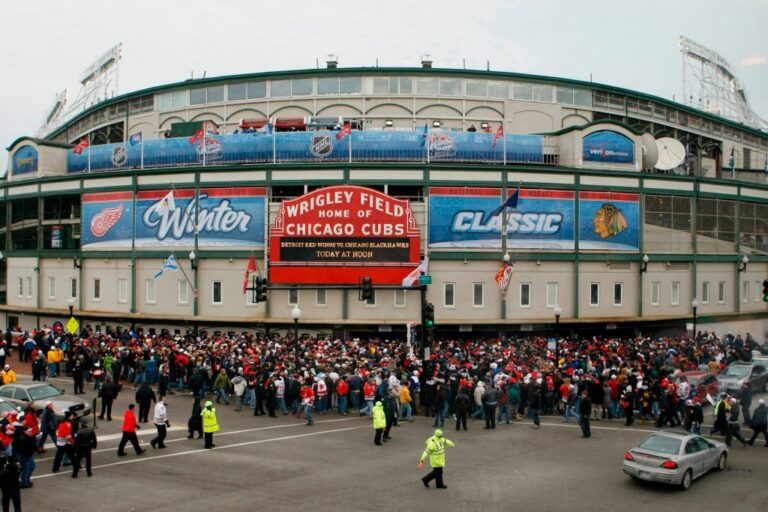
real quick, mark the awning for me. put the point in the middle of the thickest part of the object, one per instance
(252, 123)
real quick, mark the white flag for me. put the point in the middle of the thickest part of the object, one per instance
(169, 264)
(167, 203)
(413, 277)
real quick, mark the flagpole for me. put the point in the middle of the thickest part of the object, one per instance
(274, 145)
(202, 146)
(89, 153)
(142, 151)
(426, 144)
(504, 143)
(350, 144)
(181, 268)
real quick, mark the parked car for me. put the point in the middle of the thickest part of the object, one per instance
(704, 383)
(674, 458)
(6, 406)
(738, 373)
(20, 394)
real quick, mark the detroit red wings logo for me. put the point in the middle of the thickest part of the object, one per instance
(105, 219)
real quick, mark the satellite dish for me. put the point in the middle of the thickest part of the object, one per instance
(650, 151)
(671, 153)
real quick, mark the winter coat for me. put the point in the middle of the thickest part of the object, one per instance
(379, 419)
(210, 421)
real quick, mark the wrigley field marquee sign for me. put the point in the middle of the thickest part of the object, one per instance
(335, 235)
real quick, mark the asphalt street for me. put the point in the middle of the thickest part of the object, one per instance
(281, 464)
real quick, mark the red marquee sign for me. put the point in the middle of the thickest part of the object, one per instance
(336, 235)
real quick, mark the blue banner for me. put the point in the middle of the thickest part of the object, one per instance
(437, 145)
(609, 221)
(107, 221)
(24, 160)
(608, 146)
(460, 217)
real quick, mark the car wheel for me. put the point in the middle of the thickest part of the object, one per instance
(722, 461)
(685, 483)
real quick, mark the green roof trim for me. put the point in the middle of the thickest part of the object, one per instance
(467, 73)
(39, 142)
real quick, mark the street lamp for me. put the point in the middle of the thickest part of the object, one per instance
(192, 262)
(296, 314)
(743, 265)
(71, 304)
(644, 267)
(694, 306)
(558, 312)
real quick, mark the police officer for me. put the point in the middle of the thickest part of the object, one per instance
(210, 423)
(85, 442)
(435, 450)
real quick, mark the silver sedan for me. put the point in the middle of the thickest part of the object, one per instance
(674, 458)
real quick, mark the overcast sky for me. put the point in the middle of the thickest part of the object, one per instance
(46, 44)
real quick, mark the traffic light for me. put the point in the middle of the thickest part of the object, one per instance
(765, 290)
(261, 290)
(366, 288)
(429, 315)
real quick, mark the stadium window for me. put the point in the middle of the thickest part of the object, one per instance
(380, 85)
(427, 86)
(72, 287)
(449, 299)
(351, 85)
(51, 287)
(525, 295)
(293, 297)
(257, 90)
(594, 294)
(197, 96)
(522, 91)
(498, 90)
(745, 291)
(280, 88)
(151, 291)
(122, 291)
(29, 287)
(216, 295)
(237, 91)
(674, 298)
(404, 84)
(721, 292)
(321, 297)
(450, 87)
(400, 298)
(618, 294)
(328, 85)
(542, 93)
(478, 295)
(96, 290)
(183, 291)
(477, 88)
(551, 295)
(565, 95)
(655, 293)
(301, 87)
(705, 292)
(21, 287)
(215, 94)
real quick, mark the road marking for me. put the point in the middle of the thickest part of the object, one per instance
(176, 429)
(202, 450)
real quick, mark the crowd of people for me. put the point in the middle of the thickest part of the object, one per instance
(498, 381)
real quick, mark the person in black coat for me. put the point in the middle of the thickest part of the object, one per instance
(78, 377)
(759, 423)
(108, 394)
(585, 409)
(85, 443)
(195, 423)
(145, 397)
(462, 404)
(10, 484)
(390, 406)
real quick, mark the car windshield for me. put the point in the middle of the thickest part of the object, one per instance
(6, 407)
(41, 392)
(737, 371)
(663, 444)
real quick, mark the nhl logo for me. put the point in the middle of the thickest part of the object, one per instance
(321, 146)
(119, 156)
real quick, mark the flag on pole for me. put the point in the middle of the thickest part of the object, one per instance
(250, 269)
(198, 136)
(80, 147)
(511, 202)
(347, 130)
(167, 203)
(136, 138)
(169, 264)
(413, 277)
(503, 276)
(424, 135)
(732, 160)
(499, 134)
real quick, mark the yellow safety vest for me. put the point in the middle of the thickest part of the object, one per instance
(210, 422)
(436, 451)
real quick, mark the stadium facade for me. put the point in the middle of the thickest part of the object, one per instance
(327, 176)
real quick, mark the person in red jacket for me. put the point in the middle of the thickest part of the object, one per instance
(64, 440)
(129, 432)
(31, 422)
(307, 401)
(369, 391)
(342, 392)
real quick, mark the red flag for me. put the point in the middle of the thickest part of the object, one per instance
(347, 130)
(499, 134)
(199, 134)
(250, 269)
(84, 143)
